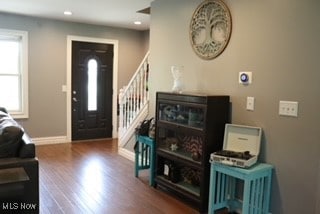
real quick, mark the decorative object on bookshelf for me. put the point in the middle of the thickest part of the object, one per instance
(169, 112)
(175, 174)
(190, 176)
(172, 143)
(177, 78)
(194, 146)
(174, 147)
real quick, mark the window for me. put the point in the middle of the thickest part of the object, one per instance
(92, 84)
(14, 72)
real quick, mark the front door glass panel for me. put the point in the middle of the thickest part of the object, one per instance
(92, 84)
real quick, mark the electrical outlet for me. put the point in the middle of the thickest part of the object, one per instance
(288, 108)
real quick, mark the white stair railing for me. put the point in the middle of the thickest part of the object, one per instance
(133, 98)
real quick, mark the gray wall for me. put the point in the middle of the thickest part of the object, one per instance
(47, 65)
(279, 41)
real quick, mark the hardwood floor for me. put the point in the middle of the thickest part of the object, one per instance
(90, 177)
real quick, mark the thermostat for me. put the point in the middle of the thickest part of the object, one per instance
(245, 77)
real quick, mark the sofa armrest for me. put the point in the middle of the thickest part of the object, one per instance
(14, 142)
(27, 147)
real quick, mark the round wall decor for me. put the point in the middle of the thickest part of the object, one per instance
(210, 29)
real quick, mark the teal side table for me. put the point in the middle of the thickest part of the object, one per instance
(256, 189)
(145, 156)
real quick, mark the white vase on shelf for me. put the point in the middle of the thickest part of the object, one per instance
(177, 78)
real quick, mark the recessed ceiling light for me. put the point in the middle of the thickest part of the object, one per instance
(137, 23)
(67, 13)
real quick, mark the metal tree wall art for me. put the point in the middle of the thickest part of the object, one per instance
(210, 29)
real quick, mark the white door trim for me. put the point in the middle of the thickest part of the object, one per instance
(71, 38)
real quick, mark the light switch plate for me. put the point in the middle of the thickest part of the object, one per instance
(250, 103)
(288, 108)
(64, 88)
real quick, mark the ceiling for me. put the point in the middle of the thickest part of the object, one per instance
(115, 13)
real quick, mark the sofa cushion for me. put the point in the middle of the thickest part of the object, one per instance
(10, 139)
(10, 136)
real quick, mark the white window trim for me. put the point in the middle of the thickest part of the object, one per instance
(24, 113)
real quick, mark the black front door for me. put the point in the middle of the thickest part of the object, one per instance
(92, 69)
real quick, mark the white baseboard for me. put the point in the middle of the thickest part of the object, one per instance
(126, 153)
(50, 140)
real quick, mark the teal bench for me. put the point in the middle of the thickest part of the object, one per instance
(145, 156)
(256, 188)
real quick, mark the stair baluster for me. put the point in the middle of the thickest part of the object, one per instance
(133, 99)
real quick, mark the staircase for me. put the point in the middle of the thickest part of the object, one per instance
(133, 107)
